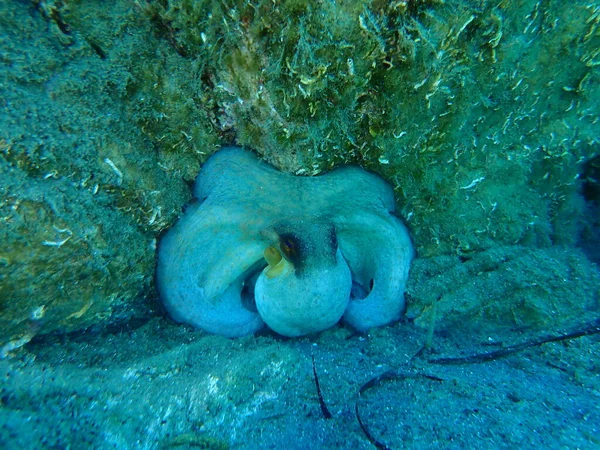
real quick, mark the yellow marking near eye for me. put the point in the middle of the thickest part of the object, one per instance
(276, 262)
(272, 256)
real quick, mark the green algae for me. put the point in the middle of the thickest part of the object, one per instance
(480, 113)
(194, 441)
(84, 188)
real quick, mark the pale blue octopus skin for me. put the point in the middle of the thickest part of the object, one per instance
(355, 252)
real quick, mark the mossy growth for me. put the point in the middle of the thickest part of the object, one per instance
(479, 113)
(193, 441)
(88, 175)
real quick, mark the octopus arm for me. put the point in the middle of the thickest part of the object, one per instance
(378, 251)
(205, 263)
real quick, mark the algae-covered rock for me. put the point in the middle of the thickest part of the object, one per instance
(84, 186)
(480, 113)
(504, 289)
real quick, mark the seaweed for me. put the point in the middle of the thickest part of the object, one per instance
(583, 330)
(322, 404)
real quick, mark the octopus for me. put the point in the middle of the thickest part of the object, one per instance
(298, 254)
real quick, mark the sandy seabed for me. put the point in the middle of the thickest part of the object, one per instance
(154, 384)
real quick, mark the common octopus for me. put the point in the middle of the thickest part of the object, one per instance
(297, 253)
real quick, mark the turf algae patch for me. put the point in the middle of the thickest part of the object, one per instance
(193, 441)
(89, 173)
(480, 113)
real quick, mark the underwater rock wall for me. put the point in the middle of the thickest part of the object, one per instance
(84, 187)
(481, 114)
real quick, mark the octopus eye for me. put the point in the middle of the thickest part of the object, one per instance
(288, 247)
